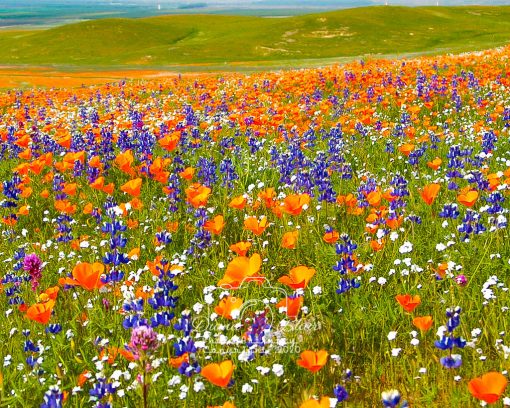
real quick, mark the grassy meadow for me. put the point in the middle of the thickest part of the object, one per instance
(213, 39)
(317, 237)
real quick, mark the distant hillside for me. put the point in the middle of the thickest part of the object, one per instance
(213, 39)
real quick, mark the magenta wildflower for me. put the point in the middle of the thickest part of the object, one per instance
(33, 265)
(461, 280)
(143, 341)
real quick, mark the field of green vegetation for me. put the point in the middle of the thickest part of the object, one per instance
(213, 39)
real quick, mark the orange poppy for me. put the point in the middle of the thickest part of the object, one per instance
(408, 302)
(176, 362)
(197, 195)
(374, 198)
(489, 387)
(292, 306)
(169, 143)
(108, 189)
(331, 237)
(376, 245)
(406, 149)
(124, 161)
(24, 210)
(87, 275)
(254, 225)
(469, 198)
(423, 323)
(227, 305)
(215, 226)
(64, 206)
(267, 196)
(98, 183)
(313, 360)
(70, 188)
(187, 173)
(429, 193)
(289, 239)
(52, 292)
(298, 277)
(294, 203)
(313, 403)
(238, 202)
(241, 269)
(132, 187)
(434, 164)
(227, 404)
(26, 192)
(83, 377)
(41, 312)
(240, 248)
(218, 374)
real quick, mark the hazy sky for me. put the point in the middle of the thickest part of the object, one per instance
(296, 3)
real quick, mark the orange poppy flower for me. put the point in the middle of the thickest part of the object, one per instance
(441, 269)
(227, 305)
(124, 161)
(313, 403)
(294, 203)
(88, 208)
(87, 275)
(187, 173)
(156, 266)
(268, 197)
(82, 378)
(172, 226)
(292, 306)
(434, 164)
(98, 183)
(23, 210)
(227, 404)
(468, 199)
(313, 360)
(298, 277)
(376, 245)
(113, 353)
(64, 206)
(215, 226)
(218, 374)
(254, 225)
(429, 193)
(70, 189)
(52, 292)
(241, 269)
(489, 387)
(177, 361)
(136, 203)
(240, 248)
(374, 198)
(132, 187)
(331, 237)
(41, 312)
(95, 162)
(406, 149)
(289, 239)
(197, 195)
(238, 202)
(45, 194)
(26, 192)
(169, 143)
(408, 302)
(424, 323)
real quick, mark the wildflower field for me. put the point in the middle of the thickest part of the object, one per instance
(311, 238)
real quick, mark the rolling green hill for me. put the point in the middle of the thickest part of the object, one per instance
(212, 39)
